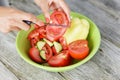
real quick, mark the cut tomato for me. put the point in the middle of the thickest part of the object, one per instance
(48, 51)
(59, 17)
(79, 49)
(53, 33)
(35, 55)
(54, 51)
(63, 42)
(62, 59)
(33, 42)
(38, 32)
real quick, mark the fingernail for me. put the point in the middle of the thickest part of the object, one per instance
(47, 20)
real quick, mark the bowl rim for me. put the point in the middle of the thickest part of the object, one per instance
(66, 68)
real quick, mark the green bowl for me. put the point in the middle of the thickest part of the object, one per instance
(94, 39)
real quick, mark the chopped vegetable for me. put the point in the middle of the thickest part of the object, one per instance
(42, 54)
(58, 46)
(79, 29)
(40, 44)
(48, 42)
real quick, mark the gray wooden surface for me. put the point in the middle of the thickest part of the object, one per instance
(105, 65)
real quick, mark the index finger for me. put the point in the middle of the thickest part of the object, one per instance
(65, 8)
(43, 4)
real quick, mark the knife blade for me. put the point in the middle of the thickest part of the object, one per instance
(46, 24)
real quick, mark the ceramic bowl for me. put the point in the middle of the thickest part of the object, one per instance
(94, 39)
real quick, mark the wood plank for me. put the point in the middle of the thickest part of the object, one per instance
(25, 5)
(17, 65)
(109, 29)
(108, 25)
(103, 66)
(5, 74)
(113, 4)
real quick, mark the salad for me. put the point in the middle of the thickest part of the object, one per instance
(59, 45)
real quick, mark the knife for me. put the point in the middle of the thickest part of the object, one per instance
(50, 24)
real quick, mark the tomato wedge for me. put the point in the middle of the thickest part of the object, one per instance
(54, 51)
(63, 42)
(48, 51)
(79, 49)
(62, 59)
(35, 55)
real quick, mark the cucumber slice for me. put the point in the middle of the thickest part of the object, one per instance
(40, 44)
(58, 46)
(48, 42)
(43, 54)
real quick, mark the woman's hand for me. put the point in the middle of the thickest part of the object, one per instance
(46, 5)
(11, 19)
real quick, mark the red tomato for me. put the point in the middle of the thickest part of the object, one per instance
(33, 34)
(63, 42)
(79, 49)
(53, 33)
(36, 26)
(42, 32)
(48, 51)
(35, 55)
(38, 32)
(59, 17)
(54, 51)
(33, 42)
(62, 59)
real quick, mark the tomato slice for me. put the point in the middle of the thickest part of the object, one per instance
(62, 59)
(59, 17)
(48, 51)
(33, 42)
(63, 42)
(35, 55)
(79, 49)
(54, 51)
(53, 33)
(33, 34)
(37, 32)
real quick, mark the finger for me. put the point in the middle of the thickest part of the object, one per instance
(34, 19)
(19, 24)
(65, 9)
(4, 30)
(43, 4)
(15, 28)
(54, 6)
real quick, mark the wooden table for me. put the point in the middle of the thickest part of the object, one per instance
(105, 65)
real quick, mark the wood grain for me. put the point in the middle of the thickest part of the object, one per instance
(105, 65)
